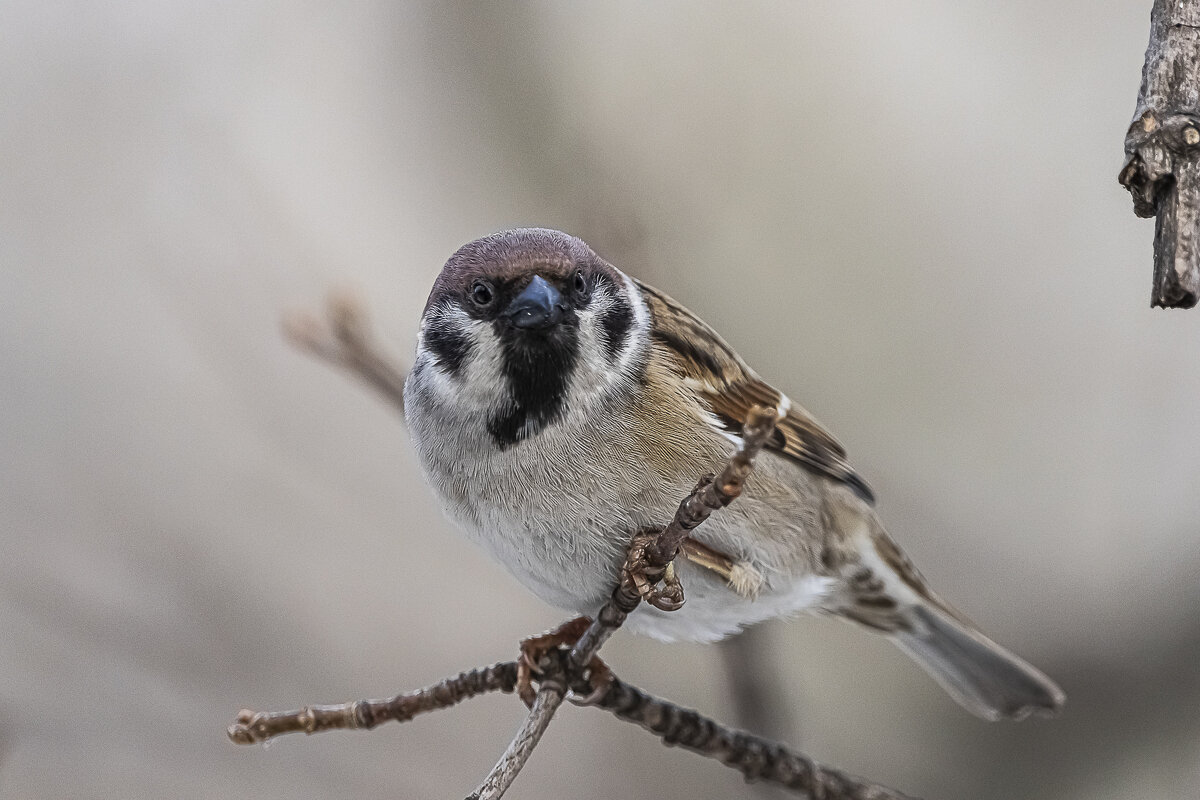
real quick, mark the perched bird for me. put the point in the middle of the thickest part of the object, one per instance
(558, 406)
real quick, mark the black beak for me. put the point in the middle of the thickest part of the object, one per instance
(539, 305)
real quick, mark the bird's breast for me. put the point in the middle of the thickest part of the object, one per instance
(557, 508)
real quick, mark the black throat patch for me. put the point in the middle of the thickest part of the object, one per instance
(537, 367)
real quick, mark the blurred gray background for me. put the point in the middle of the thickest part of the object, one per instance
(905, 214)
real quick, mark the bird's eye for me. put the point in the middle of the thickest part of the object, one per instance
(580, 282)
(481, 294)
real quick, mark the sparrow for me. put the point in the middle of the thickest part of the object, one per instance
(559, 406)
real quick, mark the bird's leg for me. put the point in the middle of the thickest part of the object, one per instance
(536, 650)
(742, 576)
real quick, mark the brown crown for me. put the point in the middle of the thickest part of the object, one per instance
(511, 258)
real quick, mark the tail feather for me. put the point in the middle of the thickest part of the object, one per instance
(982, 676)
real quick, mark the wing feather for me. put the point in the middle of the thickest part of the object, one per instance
(727, 388)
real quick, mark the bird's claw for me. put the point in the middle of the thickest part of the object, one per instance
(645, 578)
(598, 678)
(535, 659)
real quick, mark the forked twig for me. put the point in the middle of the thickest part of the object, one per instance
(756, 758)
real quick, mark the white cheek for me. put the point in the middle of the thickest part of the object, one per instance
(481, 381)
(597, 376)
(478, 384)
(636, 339)
(593, 363)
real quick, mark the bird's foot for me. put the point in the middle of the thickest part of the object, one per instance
(535, 658)
(645, 578)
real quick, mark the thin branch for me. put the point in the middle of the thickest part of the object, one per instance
(344, 339)
(610, 617)
(758, 759)
(548, 699)
(712, 494)
(1162, 151)
(256, 728)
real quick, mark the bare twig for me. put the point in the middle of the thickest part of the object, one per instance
(610, 617)
(1162, 151)
(548, 699)
(758, 759)
(716, 493)
(256, 728)
(344, 340)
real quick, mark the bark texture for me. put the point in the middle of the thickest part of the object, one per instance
(1162, 151)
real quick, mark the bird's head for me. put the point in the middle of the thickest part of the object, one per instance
(527, 326)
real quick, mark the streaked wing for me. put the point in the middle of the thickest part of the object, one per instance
(728, 389)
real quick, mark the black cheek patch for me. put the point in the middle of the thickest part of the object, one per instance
(449, 345)
(616, 322)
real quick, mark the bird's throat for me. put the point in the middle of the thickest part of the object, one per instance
(537, 368)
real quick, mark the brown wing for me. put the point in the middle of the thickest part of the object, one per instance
(728, 389)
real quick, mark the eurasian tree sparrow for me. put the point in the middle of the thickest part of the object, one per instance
(558, 406)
